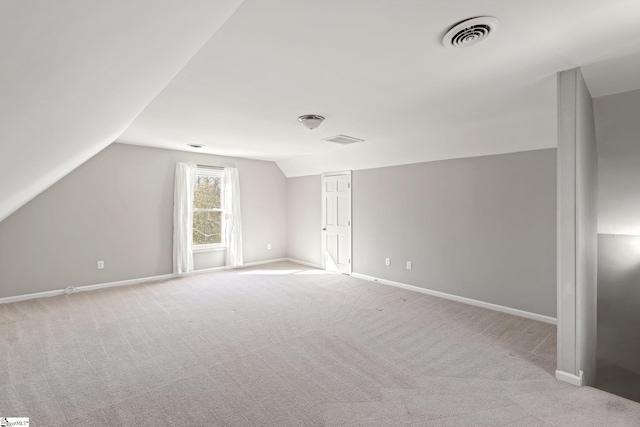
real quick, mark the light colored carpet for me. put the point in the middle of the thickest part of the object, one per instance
(284, 345)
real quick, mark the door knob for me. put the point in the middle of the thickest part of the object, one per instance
(324, 229)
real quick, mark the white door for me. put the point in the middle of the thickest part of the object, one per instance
(336, 222)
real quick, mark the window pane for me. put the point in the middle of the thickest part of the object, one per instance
(207, 228)
(207, 192)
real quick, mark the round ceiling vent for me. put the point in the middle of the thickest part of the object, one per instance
(470, 31)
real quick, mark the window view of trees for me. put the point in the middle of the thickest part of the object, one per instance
(207, 212)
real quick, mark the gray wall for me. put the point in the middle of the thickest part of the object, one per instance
(304, 206)
(618, 135)
(619, 301)
(481, 228)
(577, 228)
(118, 207)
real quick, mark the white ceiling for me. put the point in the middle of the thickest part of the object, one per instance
(378, 71)
(77, 75)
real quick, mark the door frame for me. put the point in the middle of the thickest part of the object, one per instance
(323, 213)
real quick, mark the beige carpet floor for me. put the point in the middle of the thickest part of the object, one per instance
(284, 345)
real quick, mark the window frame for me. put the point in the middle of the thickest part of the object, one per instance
(212, 171)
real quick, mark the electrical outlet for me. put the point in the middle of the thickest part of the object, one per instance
(408, 265)
(100, 265)
(268, 245)
(387, 261)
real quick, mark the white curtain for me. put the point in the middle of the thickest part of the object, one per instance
(232, 223)
(183, 217)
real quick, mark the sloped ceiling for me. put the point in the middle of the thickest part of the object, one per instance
(75, 74)
(78, 75)
(377, 70)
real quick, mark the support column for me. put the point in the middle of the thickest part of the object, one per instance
(577, 231)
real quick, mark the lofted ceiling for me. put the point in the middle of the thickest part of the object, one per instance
(379, 72)
(234, 76)
(76, 73)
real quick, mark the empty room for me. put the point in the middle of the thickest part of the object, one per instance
(337, 213)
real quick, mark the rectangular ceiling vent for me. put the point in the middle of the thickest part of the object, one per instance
(343, 139)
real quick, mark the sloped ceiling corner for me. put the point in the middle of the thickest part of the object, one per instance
(75, 74)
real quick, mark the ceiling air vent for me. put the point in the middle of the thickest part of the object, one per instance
(470, 31)
(343, 139)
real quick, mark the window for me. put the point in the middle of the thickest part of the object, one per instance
(208, 214)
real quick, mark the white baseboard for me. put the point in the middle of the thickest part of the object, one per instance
(570, 378)
(490, 306)
(308, 264)
(7, 300)
(269, 261)
(470, 301)
(123, 283)
(224, 267)
(57, 292)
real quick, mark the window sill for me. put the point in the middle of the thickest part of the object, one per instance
(208, 248)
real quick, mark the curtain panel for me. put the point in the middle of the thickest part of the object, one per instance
(183, 217)
(232, 222)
